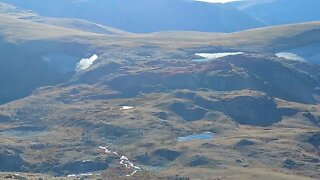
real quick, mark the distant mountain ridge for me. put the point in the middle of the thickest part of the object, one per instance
(144, 16)
(278, 12)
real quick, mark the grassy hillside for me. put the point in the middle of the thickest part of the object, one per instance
(243, 99)
(28, 38)
(85, 26)
(25, 25)
(142, 93)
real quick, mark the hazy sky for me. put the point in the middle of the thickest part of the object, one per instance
(218, 1)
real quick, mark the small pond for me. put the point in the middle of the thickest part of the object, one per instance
(201, 136)
(23, 131)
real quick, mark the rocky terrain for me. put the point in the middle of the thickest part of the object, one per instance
(94, 105)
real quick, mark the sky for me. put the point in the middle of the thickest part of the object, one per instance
(217, 1)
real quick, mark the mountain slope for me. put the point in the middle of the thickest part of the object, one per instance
(75, 24)
(147, 15)
(277, 12)
(82, 25)
(37, 51)
(137, 102)
(30, 40)
(85, 102)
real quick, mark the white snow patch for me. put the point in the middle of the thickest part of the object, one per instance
(126, 107)
(86, 174)
(85, 63)
(217, 55)
(124, 161)
(290, 56)
(213, 56)
(105, 149)
(82, 175)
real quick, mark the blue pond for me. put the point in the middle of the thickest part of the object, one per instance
(202, 136)
(23, 131)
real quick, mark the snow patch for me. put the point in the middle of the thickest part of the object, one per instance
(126, 107)
(82, 175)
(85, 63)
(290, 56)
(213, 56)
(105, 149)
(124, 161)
